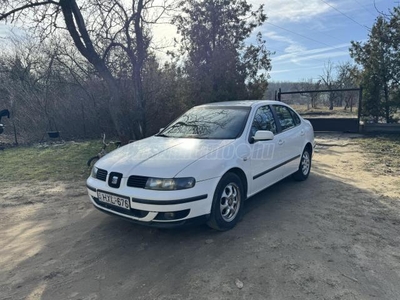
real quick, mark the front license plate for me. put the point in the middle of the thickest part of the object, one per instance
(113, 200)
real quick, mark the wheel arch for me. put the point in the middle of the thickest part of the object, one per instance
(242, 175)
(309, 147)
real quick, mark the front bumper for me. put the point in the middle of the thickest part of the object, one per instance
(166, 225)
(149, 207)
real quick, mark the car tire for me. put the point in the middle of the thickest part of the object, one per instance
(304, 166)
(228, 202)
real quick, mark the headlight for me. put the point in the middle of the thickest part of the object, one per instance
(170, 183)
(94, 172)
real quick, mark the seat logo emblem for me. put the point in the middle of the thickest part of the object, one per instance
(114, 180)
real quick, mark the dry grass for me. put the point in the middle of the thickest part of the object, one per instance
(383, 153)
(65, 162)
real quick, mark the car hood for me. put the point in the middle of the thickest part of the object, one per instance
(158, 156)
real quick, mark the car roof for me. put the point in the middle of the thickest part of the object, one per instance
(240, 103)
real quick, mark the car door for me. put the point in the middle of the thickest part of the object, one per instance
(263, 155)
(289, 139)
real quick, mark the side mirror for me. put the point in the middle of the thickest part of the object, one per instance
(263, 135)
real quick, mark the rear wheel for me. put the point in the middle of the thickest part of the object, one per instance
(304, 167)
(227, 204)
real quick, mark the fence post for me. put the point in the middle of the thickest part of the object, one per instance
(360, 103)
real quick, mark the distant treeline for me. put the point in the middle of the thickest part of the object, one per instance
(87, 67)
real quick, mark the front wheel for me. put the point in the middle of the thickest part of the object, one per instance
(304, 167)
(227, 206)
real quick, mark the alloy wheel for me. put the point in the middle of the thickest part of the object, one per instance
(230, 202)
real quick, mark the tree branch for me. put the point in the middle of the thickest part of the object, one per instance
(12, 12)
(112, 45)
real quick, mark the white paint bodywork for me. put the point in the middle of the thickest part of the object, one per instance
(205, 160)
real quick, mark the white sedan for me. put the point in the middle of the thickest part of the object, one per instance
(204, 165)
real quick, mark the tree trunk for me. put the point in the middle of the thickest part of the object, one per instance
(77, 30)
(15, 133)
(330, 103)
(387, 105)
(351, 104)
(139, 126)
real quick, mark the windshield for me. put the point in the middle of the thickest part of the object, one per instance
(209, 123)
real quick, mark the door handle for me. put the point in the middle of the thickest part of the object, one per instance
(281, 142)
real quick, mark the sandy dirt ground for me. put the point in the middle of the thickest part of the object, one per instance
(334, 236)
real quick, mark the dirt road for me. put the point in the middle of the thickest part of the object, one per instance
(335, 236)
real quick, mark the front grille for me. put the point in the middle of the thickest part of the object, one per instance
(114, 180)
(101, 174)
(137, 181)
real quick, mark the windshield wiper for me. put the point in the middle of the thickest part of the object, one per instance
(162, 135)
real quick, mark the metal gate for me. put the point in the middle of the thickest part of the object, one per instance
(331, 123)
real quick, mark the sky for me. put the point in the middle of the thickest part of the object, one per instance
(304, 35)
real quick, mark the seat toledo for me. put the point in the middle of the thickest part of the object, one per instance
(204, 165)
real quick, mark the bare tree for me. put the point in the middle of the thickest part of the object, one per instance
(328, 78)
(310, 85)
(348, 76)
(113, 36)
(27, 82)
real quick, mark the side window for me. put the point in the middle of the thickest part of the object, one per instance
(263, 120)
(284, 117)
(295, 116)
